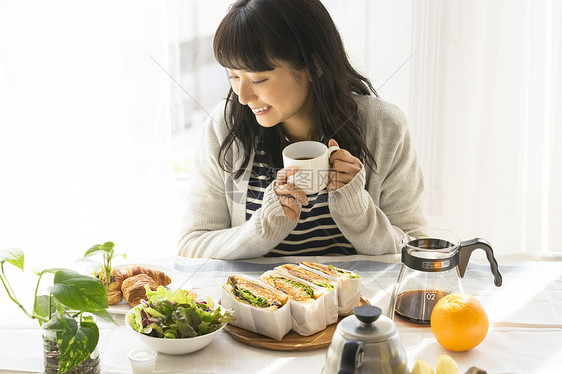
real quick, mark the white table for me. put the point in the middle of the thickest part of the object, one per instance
(525, 335)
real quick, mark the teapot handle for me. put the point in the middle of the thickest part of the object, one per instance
(466, 248)
(352, 356)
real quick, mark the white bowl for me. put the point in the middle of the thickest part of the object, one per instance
(176, 346)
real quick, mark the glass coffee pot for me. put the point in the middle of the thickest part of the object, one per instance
(433, 262)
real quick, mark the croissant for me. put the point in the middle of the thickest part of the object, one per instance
(114, 297)
(133, 288)
(161, 278)
(115, 279)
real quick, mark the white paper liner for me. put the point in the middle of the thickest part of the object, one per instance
(349, 291)
(275, 324)
(308, 317)
(330, 297)
(331, 305)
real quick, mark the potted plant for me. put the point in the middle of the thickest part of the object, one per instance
(70, 333)
(104, 267)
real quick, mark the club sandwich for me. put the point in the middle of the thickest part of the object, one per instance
(307, 275)
(295, 288)
(255, 293)
(331, 270)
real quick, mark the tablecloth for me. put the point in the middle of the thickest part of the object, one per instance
(525, 315)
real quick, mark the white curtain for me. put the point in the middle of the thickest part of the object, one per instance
(486, 113)
(85, 117)
(85, 128)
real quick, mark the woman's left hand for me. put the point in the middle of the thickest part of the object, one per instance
(344, 166)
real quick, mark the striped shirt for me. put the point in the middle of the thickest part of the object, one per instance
(316, 233)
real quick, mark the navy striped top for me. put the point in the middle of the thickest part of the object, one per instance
(316, 232)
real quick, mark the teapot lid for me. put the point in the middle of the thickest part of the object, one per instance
(367, 325)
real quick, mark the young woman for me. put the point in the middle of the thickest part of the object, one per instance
(291, 81)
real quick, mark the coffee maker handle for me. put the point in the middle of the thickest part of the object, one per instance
(352, 356)
(466, 248)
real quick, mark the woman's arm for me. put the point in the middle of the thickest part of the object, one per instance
(207, 231)
(373, 215)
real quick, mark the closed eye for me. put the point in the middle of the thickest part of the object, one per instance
(258, 82)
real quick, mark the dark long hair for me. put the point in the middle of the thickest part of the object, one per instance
(301, 33)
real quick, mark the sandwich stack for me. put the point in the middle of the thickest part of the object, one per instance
(303, 298)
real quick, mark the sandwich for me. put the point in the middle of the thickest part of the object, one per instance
(331, 270)
(254, 293)
(308, 312)
(328, 286)
(348, 284)
(307, 275)
(294, 288)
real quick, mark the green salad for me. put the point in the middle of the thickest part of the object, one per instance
(176, 314)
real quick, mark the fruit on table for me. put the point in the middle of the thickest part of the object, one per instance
(446, 365)
(459, 322)
(422, 367)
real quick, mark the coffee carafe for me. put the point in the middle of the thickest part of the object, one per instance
(433, 263)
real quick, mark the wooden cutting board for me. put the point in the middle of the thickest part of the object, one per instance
(290, 342)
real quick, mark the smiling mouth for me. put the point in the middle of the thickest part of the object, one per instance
(261, 110)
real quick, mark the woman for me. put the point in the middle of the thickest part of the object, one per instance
(291, 81)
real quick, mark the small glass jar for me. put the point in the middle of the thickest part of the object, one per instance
(51, 354)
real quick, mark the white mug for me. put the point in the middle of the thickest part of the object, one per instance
(313, 160)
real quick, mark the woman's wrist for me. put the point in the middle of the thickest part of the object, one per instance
(273, 219)
(351, 198)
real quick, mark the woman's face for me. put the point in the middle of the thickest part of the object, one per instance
(281, 95)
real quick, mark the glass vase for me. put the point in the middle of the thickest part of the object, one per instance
(51, 353)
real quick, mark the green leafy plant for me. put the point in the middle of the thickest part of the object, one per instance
(108, 252)
(66, 311)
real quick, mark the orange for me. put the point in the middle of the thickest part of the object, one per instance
(459, 322)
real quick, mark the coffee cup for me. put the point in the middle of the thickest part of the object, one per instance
(313, 162)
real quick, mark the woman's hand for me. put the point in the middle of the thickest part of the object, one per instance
(344, 166)
(288, 193)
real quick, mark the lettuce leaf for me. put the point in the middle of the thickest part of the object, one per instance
(345, 273)
(175, 314)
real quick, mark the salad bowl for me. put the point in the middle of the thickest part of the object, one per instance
(176, 322)
(179, 346)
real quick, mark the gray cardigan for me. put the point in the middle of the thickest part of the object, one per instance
(372, 211)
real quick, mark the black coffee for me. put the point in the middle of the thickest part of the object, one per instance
(416, 306)
(304, 158)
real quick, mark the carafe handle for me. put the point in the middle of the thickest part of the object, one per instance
(465, 250)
